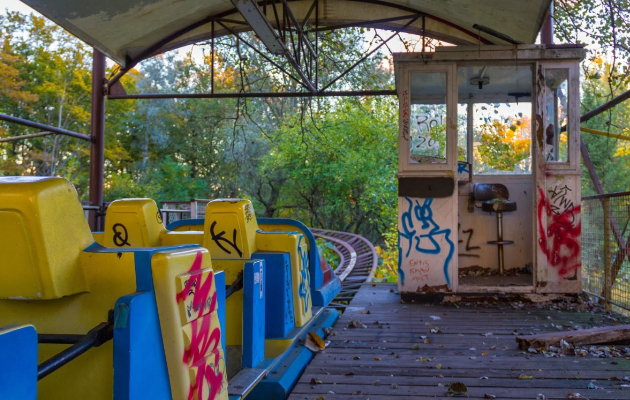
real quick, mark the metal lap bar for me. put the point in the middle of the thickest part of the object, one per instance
(235, 286)
(102, 333)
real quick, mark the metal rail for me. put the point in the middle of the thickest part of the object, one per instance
(357, 265)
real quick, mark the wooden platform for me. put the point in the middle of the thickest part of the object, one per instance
(476, 346)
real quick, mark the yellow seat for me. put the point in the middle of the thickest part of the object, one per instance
(232, 236)
(53, 276)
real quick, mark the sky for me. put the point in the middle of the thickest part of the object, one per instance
(15, 5)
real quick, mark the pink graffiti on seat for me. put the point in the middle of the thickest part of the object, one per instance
(199, 289)
(204, 343)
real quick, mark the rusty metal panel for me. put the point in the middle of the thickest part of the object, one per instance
(425, 187)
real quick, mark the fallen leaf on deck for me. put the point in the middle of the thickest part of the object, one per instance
(541, 397)
(415, 347)
(376, 383)
(394, 385)
(483, 353)
(439, 366)
(523, 376)
(349, 373)
(377, 358)
(427, 341)
(457, 388)
(314, 343)
(489, 396)
(316, 381)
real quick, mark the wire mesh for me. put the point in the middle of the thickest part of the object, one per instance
(594, 247)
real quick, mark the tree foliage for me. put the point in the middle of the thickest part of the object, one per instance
(329, 162)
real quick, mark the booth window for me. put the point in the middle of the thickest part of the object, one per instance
(427, 127)
(499, 109)
(556, 115)
(502, 138)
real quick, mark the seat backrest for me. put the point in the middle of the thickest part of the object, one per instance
(133, 223)
(187, 304)
(489, 191)
(230, 229)
(43, 231)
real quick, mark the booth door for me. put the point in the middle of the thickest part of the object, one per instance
(558, 190)
(427, 202)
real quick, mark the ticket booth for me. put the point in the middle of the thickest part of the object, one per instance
(489, 170)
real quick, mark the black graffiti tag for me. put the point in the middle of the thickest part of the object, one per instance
(121, 236)
(218, 238)
(559, 202)
(469, 248)
(158, 216)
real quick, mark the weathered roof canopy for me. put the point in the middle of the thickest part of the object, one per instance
(129, 31)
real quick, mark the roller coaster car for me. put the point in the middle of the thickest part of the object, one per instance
(165, 322)
(296, 283)
(150, 320)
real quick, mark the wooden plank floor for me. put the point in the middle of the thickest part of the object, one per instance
(380, 362)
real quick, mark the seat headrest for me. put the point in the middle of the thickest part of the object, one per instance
(230, 229)
(43, 231)
(489, 191)
(133, 223)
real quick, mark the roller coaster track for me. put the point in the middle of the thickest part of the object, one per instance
(357, 265)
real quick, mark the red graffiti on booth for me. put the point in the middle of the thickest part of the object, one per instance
(563, 252)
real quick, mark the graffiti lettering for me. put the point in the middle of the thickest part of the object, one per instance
(559, 202)
(462, 168)
(469, 248)
(405, 115)
(559, 241)
(305, 283)
(248, 213)
(413, 263)
(419, 271)
(158, 217)
(425, 233)
(121, 236)
(218, 238)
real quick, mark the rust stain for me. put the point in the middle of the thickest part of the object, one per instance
(540, 131)
(433, 289)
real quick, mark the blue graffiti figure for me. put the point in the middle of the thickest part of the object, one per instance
(305, 282)
(462, 168)
(423, 234)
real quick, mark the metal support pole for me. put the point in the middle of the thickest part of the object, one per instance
(546, 33)
(193, 209)
(607, 260)
(500, 241)
(97, 150)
